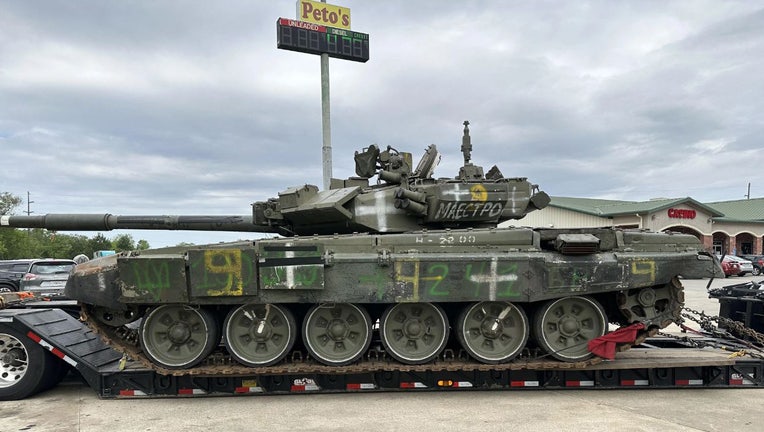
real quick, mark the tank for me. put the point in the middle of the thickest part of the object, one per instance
(408, 270)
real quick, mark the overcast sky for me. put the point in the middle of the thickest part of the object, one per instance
(188, 107)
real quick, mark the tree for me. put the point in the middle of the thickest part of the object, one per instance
(8, 203)
(98, 242)
(15, 244)
(123, 242)
(142, 244)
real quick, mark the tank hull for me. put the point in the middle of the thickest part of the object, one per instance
(512, 264)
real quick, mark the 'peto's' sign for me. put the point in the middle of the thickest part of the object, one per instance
(323, 14)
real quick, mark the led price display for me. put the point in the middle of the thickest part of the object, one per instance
(317, 39)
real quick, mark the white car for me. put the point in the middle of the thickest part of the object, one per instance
(746, 267)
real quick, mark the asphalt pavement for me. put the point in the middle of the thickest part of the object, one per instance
(73, 406)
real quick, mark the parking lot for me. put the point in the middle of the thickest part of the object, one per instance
(75, 407)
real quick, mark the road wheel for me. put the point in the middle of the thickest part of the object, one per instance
(756, 271)
(493, 332)
(337, 334)
(563, 327)
(26, 367)
(179, 336)
(260, 334)
(414, 333)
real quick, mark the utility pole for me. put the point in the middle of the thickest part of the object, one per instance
(29, 210)
(748, 195)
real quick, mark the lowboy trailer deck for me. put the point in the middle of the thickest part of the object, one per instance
(38, 346)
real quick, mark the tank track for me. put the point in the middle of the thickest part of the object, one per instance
(125, 340)
(640, 305)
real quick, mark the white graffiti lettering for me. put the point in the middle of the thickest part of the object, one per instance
(471, 210)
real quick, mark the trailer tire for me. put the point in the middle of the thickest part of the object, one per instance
(63, 371)
(26, 367)
(56, 370)
(4, 287)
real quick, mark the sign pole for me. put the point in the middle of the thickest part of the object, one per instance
(323, 29)
(326, 124)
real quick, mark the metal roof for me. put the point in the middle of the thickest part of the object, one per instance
(747, 210)
(750, 210)
(610, 208)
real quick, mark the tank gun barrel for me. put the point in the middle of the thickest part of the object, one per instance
(108, 222)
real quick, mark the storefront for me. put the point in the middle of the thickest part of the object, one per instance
(735, 227)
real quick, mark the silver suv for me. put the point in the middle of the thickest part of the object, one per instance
(47, 278)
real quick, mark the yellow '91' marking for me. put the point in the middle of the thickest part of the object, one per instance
(225, 262)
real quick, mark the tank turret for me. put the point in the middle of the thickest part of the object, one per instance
(402, 200)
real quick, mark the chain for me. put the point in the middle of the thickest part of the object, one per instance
(685, 340)
(748, 337)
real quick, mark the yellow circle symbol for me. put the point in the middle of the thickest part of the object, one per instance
(479, 193)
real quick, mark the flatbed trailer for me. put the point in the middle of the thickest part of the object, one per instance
(55, 341)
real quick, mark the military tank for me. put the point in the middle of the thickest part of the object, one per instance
(416, 264)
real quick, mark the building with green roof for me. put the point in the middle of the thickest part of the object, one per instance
(735, 227)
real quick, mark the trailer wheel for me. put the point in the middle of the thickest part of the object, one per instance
(25, 367)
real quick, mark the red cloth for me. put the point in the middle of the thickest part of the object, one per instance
(604, 346)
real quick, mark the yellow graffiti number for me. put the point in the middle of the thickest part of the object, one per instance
(479, 193)
(228, 263)
(645, 268)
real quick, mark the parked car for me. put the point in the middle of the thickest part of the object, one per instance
(730, 267)
(757, 261)
(746, 266)
(47, 277)
(42, 276)
(11, 272)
